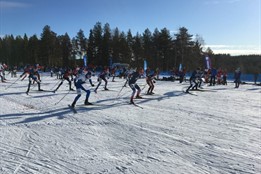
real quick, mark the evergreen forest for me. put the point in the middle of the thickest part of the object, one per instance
(103, 45)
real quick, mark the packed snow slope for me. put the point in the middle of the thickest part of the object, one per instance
(215, 131)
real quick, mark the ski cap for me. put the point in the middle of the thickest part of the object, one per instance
(80, 71)
(89, 73)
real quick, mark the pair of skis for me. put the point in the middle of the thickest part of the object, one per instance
(72, 109)
(42, 90)
(136, 105)
(75, 111)
(197, 90)
(191, 93)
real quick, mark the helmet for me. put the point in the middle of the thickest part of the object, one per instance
(88, 74)
(140, 70)
(80, 71)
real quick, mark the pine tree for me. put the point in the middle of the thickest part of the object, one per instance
(106, 44)
(125, 55)
(148, 47)
(184, 45)
(156, 49)
(81, 44)
(33, 50)
(66, 49)
(48, 45)
(116, 45)
(165, 47)
(97, 35)
(91, 49)
(137, 51)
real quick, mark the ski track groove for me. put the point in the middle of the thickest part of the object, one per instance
(231, 169)
(28, 164)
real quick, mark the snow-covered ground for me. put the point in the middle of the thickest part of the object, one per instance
(217, 131)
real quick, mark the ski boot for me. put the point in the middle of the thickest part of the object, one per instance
(87, 103)
(73, 104)
(138, 96)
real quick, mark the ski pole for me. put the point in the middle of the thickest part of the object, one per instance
(8, 73)
(144, 86)
(124, 93)
(118, 94)
(12, 83)
(62, 97)
(96, 95)
(58, 81)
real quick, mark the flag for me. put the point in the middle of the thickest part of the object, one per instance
(145, 65)
(208, 62)
(180, 67)
(85, 60)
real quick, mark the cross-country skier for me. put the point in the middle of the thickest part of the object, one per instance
(27, 69)
(5, 68)
(34, 76)
(237, 75)
(133, 85)
(2, 72)
(78, 82)
(224, 81)
(66, 75)
(182, 73)
(13, 71)
(102, 76)
(213, 76)
(113, 73)
(150, 81)
(126, 76)
(200, 79)
(193, 79)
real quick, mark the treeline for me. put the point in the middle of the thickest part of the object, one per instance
(250, 64)
(160, 49)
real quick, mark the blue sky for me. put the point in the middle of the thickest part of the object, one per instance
(227, 26)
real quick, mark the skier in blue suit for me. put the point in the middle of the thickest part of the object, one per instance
(133, 85)
(78, 82)
(237, 75)
(194, 80)
(102, 76)
(34, 76)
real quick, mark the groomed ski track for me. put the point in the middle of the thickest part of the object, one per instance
(173, 133)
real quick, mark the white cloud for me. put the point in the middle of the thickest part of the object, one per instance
(7, 4)
(235, 49)
(173, 31)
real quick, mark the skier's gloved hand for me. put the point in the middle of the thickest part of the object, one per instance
(154, 81)
(93, 85)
